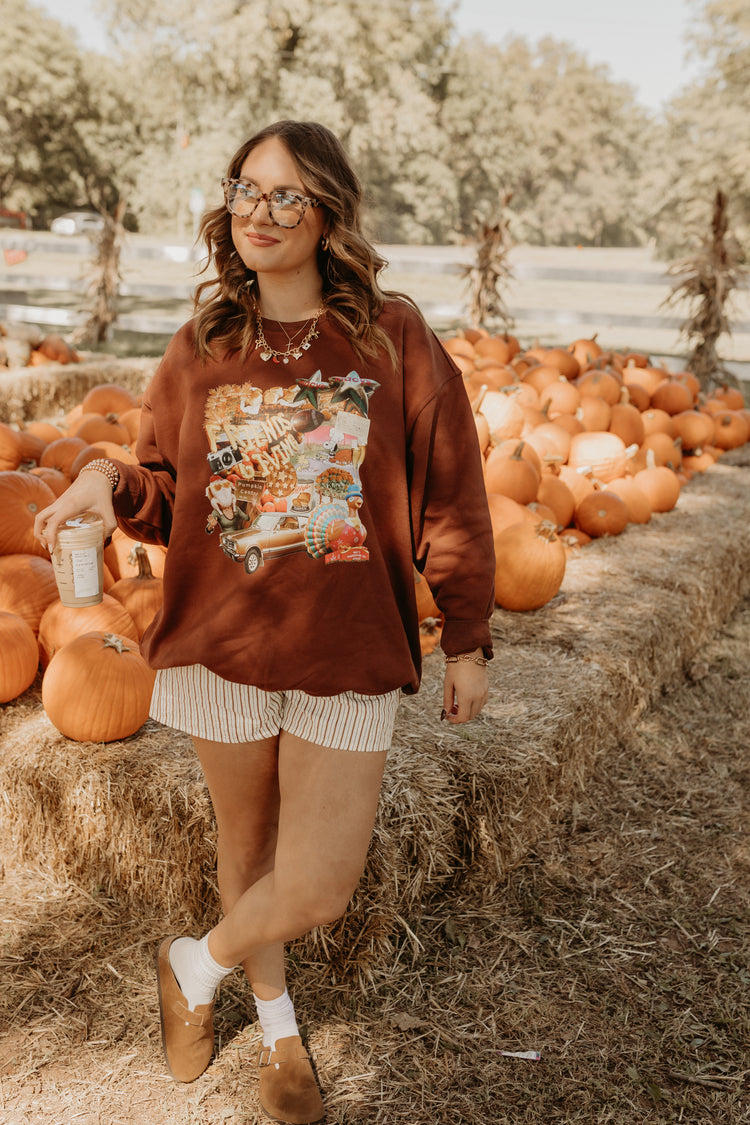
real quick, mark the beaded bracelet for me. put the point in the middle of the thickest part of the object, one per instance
(108, 468)
(467, 656)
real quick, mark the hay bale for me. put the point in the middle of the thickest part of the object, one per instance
(461, 806)
(31, 393)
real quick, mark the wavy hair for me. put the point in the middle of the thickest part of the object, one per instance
(224, 306)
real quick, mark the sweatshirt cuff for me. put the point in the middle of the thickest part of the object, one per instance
(127, 494)
(465, 636)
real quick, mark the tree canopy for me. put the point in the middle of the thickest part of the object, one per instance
(440, 127)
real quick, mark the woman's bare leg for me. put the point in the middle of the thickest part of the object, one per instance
(327, 805)
(244, 786)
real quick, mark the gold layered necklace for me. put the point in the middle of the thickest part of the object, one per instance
(293, 350)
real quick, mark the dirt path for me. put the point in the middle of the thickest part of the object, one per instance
(619, 950)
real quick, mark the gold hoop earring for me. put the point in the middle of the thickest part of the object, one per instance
(324, 243)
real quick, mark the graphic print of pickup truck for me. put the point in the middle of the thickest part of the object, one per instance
(270, 535)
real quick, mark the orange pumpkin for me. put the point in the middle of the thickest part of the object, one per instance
(102, 427)
(60, 624)
(55, 480)
(695, 428)
(493, 347)
(527, 452)
(118, 691)
(550, 440)
(555, 493)
(560, 397)
(131, 420)
(61, 454)
(731, 397)
(594, 413)
(511, 475)
(143, 594)
(53, 347)
(657, 421)
(666, 450)
(580, 483)
(540, 377)
(661, 486)
(647, 377)
(565, 362)
(637, 395)
(530, 565)
(585, 351)
(504, 512)
(605, 454)
(504, 415)
(44, 430)
(32, 448)
(117, 555)
(601, 384)
(627, 423)
(19, 656)
(636, 501)
(107, 398)
(601, 513)
(27, 587)
(22, 495)
(672, 396)
(10, 448)
(731, 429)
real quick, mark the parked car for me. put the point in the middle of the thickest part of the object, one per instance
(77, 222)
(270, 534)
(17, 220)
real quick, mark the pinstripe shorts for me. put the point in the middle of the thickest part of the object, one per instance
(200, 703)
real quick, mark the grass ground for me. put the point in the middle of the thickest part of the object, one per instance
(619, 950)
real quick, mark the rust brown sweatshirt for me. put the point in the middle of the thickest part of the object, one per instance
(294, 498)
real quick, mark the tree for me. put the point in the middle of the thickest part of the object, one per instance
(220, 71)
(67, 136)
(563, 136)
(706, 139)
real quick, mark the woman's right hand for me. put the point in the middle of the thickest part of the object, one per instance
(90, 492)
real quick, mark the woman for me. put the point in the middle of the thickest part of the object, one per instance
(304, 442)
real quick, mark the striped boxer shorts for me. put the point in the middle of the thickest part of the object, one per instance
(197, 701)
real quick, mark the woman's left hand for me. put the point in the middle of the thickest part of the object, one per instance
(465, 689)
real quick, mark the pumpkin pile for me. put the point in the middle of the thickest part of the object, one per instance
(96, 686)
(578, 443)
(24, 345)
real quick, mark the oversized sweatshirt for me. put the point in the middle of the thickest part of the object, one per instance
(295, 499)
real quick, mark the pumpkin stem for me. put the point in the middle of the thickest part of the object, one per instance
(139, 557)
(545, 529)
(480, 398)
(112, 640)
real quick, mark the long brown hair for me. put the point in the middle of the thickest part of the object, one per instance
(349, 266)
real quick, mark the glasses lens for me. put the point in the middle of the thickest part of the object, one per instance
(241, 198)
(286, 210)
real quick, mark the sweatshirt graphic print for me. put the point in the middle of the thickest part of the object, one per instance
(283, 468)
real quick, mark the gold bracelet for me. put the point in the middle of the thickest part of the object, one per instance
(467, 656)
(106, 467)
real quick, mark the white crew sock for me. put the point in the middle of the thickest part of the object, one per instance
(276, 1018)
(198, 975)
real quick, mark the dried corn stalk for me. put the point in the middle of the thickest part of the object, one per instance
(491, 271)
(706, 280)
(105, 279)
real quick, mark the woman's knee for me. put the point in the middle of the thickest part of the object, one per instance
(319, 903)
(249, 853)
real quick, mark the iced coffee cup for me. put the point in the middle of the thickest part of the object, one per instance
(78, 560)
